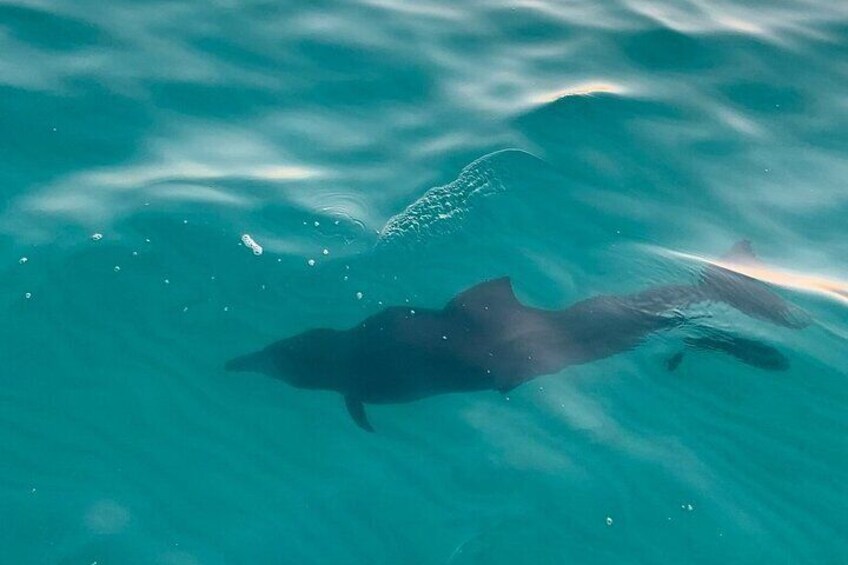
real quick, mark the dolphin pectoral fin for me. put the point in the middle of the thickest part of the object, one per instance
(749, 351)
(357, 411)
(674, 361)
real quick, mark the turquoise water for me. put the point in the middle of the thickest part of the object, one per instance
(578, 145)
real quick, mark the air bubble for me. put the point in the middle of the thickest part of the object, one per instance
(311, 262)
(609, 521)
(96, 236)
(22, 260)
(251, 244)
(359, 296)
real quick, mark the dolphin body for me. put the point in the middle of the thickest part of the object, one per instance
(485, 339)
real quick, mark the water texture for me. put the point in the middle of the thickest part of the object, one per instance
(386, 153)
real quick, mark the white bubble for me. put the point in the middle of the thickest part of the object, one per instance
(117, 268)
(97, 236)
(311, 262)
(609, 521)
(22, 260)
(317, 223)
(27, 295)
(250, 243)
(167, 281)
(326, 252)
(359, 295)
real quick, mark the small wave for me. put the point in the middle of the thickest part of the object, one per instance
(442, 209)
(585, 89)
(236, 171)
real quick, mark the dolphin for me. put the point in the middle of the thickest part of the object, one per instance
(485, 339)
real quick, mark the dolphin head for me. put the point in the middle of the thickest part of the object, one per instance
(314, 359)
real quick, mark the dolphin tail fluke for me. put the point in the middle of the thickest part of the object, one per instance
(357, 411)
(724, 281)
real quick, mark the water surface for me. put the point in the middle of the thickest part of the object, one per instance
(581, 147)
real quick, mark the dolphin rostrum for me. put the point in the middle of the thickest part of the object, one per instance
(485, 339)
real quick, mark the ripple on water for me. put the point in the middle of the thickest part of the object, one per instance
(442, 209)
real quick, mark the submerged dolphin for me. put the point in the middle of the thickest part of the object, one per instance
(485, 339)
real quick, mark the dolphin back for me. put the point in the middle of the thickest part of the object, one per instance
(748, 295)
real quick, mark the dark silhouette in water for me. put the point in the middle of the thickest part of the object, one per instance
(747, 350)
(485, 339)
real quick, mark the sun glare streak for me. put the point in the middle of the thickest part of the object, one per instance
(805, 282)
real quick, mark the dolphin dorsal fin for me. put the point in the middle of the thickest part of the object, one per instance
(492, 294)
(741, 253)
(357, 411)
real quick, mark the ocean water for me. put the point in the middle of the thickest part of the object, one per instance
(389, 152)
